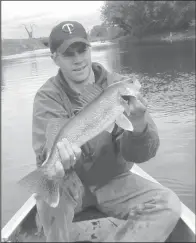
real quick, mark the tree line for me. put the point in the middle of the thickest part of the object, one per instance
(142, 18)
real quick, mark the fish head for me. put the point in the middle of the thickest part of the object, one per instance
(121, 93)
(128, 88)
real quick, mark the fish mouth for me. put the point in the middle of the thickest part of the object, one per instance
(126, 98)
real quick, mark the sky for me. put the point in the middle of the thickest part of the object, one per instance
(44, 15)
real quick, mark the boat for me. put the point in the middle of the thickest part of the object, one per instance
(89, 225)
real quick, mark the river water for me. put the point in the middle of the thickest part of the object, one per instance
(167, 74)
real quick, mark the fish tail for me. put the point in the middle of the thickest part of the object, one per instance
(46, 189)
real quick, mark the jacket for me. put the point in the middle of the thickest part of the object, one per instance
(105, 156)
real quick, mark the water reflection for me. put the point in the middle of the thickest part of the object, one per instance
(34, 70)
(166, 72)
(153, 59)
(2, 78)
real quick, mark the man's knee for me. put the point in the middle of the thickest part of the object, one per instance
(171, 202)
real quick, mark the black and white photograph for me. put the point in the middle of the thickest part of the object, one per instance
(98, 121)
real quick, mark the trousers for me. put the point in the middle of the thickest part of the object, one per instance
(149, 211)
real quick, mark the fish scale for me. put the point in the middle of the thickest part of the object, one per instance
(88, 94)
(94, 122)
(99, 112)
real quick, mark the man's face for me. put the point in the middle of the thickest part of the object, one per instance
(75, 62)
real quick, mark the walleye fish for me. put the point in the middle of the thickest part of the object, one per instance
(100, 115)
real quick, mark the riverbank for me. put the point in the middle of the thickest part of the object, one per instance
(18, 46)
(167, 37)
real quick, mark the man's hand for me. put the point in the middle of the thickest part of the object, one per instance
(138, 107)
(69, 153)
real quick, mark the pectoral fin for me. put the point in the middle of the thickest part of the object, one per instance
(123, 122)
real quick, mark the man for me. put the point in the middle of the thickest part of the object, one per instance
(150, 211)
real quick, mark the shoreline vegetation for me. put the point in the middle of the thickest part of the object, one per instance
(19, 46)
(168, 37)
(137, 22)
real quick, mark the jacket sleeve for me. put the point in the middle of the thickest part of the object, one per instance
(140, 148)
(48, 117)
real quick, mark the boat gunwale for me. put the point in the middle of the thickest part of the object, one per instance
(186, 215)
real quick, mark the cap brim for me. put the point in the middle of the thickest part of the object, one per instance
(63, 47)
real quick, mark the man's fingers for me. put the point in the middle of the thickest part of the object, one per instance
(65, 158)
(77, 151)
(59, 169)
(70, 151)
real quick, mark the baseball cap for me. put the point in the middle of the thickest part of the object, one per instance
(65, 34)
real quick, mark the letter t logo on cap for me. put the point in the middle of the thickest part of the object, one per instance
(68, 28)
